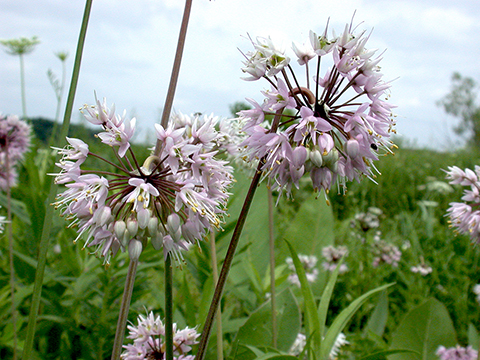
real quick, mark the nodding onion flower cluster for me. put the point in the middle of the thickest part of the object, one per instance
(173, 199)
(148, 340)
(465, 216)
(14, 143)
(334, 127)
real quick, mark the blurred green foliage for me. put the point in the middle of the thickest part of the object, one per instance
(80, 298)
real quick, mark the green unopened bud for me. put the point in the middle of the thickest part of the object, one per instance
(143, 216)
(135, 248)
(119, 229)
(153, 226)
(157, 241)
(316, 157)
(132, 227)
(330, 160)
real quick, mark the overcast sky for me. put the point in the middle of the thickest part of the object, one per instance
(130, 47)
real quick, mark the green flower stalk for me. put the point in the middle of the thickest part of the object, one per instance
(43, 244)
(21, 47)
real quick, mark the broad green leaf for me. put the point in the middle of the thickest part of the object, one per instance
(325, 299)
(473, 338)
(380, 355)
(205, 300)
(19, 209)
(311, 230)
(378, 320)
(423, 330)
(277, 357)
(341, 321)
(313, 323)
(255, 230)
(257, 331)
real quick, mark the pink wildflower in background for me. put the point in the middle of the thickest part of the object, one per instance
(332, 256)
(301, 340)
(457, 353)
(476, 291)
(339, 122)
(422, 269)
(14, 143)
(148, 340)
(309, 263)
(173, 198)
(465, 216)
(385, 253)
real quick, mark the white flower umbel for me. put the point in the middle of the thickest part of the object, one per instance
(173, 199)
(148, 340)
(333, 127)
(465, 216)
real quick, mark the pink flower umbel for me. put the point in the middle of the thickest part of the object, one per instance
(14, 142)
(457, 353)
(465, 216)
(332, 256)
(334, 127)
(173, 199)
(148, 340)
(309, 263)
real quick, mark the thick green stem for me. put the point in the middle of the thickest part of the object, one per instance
(168, 308)
(218, 316)
(22, 86)
(272, 267)
(176, 69)
(47, 224)
(124, 308)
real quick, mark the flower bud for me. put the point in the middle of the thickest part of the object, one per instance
(143, 216)
(134, 249)
(173, 226)
(132, 227)
(330, 160)
(316, 158)
(352, 148)
(157, 241)
(119, 229)
(153, 226)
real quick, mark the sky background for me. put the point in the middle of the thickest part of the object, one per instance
(130, 47)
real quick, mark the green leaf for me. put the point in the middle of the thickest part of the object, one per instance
(326, 296)
(313, 323)
(255, 232)
(380, 355)
(18, 208)
(311, 229)
(473, 338)
(341, 321)
(423, 330)
(378, 320)
(277, 357)
(257, 330)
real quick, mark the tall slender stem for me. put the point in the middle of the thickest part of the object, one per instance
(227, 263)
(272, 268)
(213, 251)
(10, 251)
(168, 308)
(22, 86)
(176, 69)
(124, 308)
(47, 224)
(222, 279)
